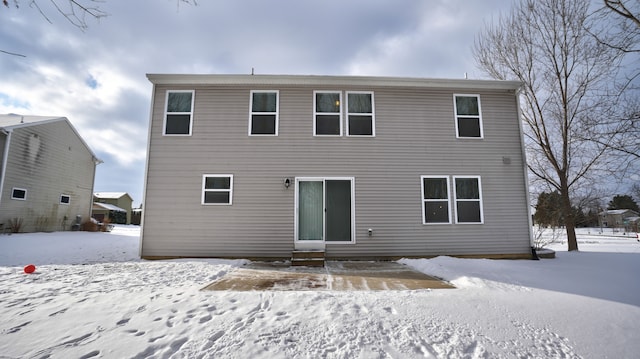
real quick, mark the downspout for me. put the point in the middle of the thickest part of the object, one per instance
(525, 170)
(146, 171)
(96, 162)
(5, 158)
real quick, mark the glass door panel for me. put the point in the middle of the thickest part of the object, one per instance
(338, 215)
(310, 210)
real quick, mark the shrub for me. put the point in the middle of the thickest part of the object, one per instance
(15, 224)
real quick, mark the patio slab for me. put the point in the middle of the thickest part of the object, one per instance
(336, 275)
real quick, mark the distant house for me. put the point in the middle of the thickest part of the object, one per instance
(620, 218)
(46, 175)
(121, 201)
(359, 167)
(110, 212)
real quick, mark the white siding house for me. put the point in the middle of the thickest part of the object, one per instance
(47, 174)
(364, 167)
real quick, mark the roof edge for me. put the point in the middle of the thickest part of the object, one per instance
(379, 81)
(52, 120)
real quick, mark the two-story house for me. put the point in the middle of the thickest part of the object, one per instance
(362, 167)
(47, 172)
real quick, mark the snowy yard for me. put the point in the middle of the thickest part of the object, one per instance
(90, 297)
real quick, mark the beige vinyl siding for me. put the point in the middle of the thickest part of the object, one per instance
(47, 160)
(415, 135)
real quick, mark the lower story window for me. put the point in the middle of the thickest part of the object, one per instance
(65, 199)
(468, 197)
(217, 189)
(435, 200)
(19, 193)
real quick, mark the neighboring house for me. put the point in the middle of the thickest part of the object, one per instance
(362, 167)
(620, 218)
(47, 173)
(119, 199)
(114, 214)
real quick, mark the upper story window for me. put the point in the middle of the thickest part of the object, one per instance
(360, 114)
(217, 189)
(435, 200)
(19, 193)
(327, 113)
(468, 197)
(263, 119)
(468, 116)
(179, 113)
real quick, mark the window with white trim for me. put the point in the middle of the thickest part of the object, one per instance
(263, 120)
(468, 199)
(327, 113)
(18, 193)
(65, 199)
(178, 119)
(435, 200)
(468, 116)
(217, 189)
(360, 114)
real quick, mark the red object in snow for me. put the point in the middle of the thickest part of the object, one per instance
(30, 268)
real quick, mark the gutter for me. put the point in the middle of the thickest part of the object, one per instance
(5, 158)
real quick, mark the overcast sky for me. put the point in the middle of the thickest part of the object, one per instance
(96, 78)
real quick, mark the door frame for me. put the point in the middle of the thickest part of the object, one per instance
(321, 243)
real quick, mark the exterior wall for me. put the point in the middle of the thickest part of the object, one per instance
(47, 160)
(415, 135)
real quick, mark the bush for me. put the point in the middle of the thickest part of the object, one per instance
(15, 224)
(89, 226)
(106, 225)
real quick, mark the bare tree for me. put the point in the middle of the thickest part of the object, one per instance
(620, 30)
(620, 24)
(76, 11)
(568, 79)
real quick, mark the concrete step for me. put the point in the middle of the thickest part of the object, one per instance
(307, 258)
(307, 262)
(298, 254)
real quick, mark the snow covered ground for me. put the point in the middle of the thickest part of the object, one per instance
(91, 297)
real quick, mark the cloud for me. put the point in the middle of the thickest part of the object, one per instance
(96, 78)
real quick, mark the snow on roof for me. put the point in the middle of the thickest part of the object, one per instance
(108, 206)
(13, 120)
(111, 195)
(616, 211)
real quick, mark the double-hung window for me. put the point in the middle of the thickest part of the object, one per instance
(178, 119)
(360, 114)
(217, 189)
(468, 116)
(468, 197)
(263, 119)
(327, 113)
(435, 200)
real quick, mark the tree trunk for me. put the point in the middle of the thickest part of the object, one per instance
(569, 220)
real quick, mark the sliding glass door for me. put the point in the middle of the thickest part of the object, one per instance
(325, 210)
